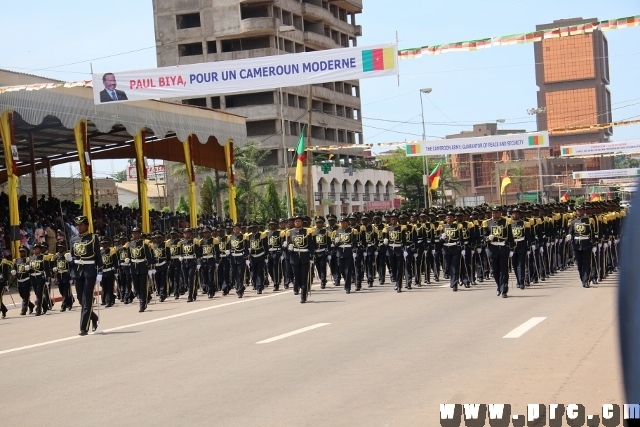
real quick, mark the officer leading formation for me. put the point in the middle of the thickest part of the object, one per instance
(530, 242)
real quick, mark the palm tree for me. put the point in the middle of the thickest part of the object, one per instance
(447, 180)
(250, 178)
(520, 178)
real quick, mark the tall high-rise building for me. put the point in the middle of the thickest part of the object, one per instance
(194, 31)
(572, 74)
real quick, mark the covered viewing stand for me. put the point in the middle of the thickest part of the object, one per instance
(44, 127)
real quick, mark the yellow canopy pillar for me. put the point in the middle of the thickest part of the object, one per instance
(82, 142)
(191, 180)
(8, 141)
(141, 169)
(228, 155)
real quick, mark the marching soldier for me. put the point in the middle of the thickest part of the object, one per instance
(223, 273)
(451, 238)
(410, 254)
(301, 245)
(467, 233)
(87, 267)
(161, 259)
(394, 240)
(369, 243)
(175, 268)
(497, 232)
(38, 271)
(345, 240)
(521, 240)
(582, 236)
(321, 252)
(381, 251)
(5, 274)
(239, 253)
(141, 259)
(274, 262)
(189, 262)
(62, 273)
(258, 249)
(206, 248)
(20, 271)
(109, 256)
(332, 258)
(124, 270)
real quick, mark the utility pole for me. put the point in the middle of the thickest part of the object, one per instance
(310, 197)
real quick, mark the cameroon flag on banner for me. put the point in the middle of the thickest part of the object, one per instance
(378, 59)
(301, 156)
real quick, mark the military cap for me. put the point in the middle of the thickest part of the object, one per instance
(344, 219)
(392, 214)
(23, 248)
(187, 230)
(105, 239)
(496, 208)
(450, 213)
(136, 230)
(173, 230)
(364, 217)
(319, 219)
(273, 221)
(61, 244)
(516, 209)
(236, 224)
(206, 230)
(580, 207)
(82, 219)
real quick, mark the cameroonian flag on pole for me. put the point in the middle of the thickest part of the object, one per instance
(378, 59)
(505, 181)
(434, 177)
(565, 198)
(301, 156)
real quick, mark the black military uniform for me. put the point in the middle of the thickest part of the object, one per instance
(223, 276)
(20, 271)
(258, 249)
(62, 273)
(451, 238)
(582, 232)
(321, 252)
(87, 267)
(381, 251)
(189, 261)
(369, 243)
(394, 239)
(345, 240)
(124, 271)
(38, 273)
(332, 258)
(301, 245)
(274, 262)
(5, 274)
(109, 256)
(141, 259)
(498, 234)
(521, 240)
(174, 270)
(206, 252)
(239, 251)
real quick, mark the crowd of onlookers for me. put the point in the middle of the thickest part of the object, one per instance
(52, 221)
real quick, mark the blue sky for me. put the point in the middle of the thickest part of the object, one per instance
(468, 87)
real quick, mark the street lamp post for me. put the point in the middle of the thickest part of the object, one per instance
(536, 112)
(425, 159)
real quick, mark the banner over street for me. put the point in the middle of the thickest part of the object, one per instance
(243, 75)
(483, 144)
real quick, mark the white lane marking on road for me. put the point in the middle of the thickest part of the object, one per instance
(160, 319)
(522, 329)
(296, 332)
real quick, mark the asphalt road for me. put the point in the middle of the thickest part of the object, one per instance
(374, 358)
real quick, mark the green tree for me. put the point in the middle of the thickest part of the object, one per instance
(624, 161)
(165, 210)
(407, 172)
(207, 196)
(119, 176)
(134, 204)
(299, 204)
(183, 205)
(251, 178)
(274, 206)
(520, 178)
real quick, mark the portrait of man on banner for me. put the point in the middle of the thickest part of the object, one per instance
(110, 93)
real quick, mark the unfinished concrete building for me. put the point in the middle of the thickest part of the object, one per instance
(194, 31)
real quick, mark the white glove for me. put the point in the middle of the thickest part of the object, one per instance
(46, 284)
(55, 269)
(541, 250)
(606, 245)
(284, 244)
(246, 262)
(336, 240)
(375, 254)
(594, 249)
(479, 250)
(27, 267)
(490, 237)
(528, 253)
(198, 267)
(227, 252)
(463, 252)
(329, 258)
(415, 255)
(99, 278)
(179, 259)
(547, 244)
(366, 254)
(533, 247)
(443, 236)
(405, 253)
(355, 256)
(150, 273)
(68, 257)
(617, 241)
(568, 238)
(433, 251)
(599, 245)
(128, 260)
(385, 241)
(13, 272)
(510, 254)
(290, 247)
(311, 262)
